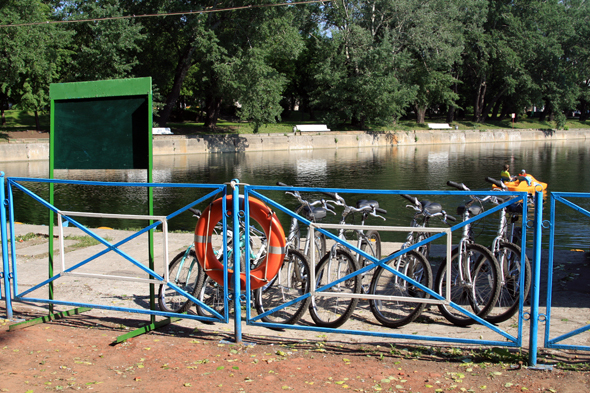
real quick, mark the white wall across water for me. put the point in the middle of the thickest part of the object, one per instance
(202, 144)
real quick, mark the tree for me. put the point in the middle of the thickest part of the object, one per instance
(230, 56)
(32, 55)
(359, 76)
(101, 49)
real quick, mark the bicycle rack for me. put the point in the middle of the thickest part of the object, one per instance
(10, 292)
(511, 340)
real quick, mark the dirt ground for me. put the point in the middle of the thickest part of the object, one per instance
(24, 134)
(76, 354)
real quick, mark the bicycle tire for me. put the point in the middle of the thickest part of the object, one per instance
(482, 296)
(508, 257)
(371, 244)
(332, 312)
(397, 313)
(292, 281)
(210, 293)
(184, 272)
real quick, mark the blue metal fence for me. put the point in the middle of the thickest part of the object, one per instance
(10, 270)
(511, 340)
(9, 290)
(561, 198)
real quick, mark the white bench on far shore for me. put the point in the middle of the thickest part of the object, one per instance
(161, 131)
(439, 126)
(310, 128)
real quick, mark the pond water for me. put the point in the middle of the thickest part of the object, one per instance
(561, 164)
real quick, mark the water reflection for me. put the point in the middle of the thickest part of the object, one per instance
(561, 164)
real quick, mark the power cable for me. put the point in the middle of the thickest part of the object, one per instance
(191, 12)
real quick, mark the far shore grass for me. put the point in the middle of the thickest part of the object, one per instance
(23, 121)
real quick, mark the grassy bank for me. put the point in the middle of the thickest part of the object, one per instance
(22, 121)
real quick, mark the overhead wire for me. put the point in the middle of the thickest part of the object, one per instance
(190, 12)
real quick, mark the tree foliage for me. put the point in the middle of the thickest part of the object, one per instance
(366, 63)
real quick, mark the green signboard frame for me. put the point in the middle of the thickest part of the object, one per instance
(102, 125)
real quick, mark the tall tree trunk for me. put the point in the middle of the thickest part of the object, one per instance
(420, 113)
(451, 114)
(583, 110)
(181, 70)
(451, 111)
(212, 108)
(479, 100)
(547, 112)
(504, 112)
(488, 107)
(3, 116)
(37, 122)
(496, 110)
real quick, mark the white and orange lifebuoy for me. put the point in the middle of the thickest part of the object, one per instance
(273, 231)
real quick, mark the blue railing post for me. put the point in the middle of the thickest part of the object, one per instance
(5, 268)
(536, 279)
(236, 277)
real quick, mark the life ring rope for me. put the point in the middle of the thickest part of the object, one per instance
(209, 238)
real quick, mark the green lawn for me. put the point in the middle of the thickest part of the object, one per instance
(21, 120)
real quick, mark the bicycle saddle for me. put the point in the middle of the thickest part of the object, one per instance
(431, 207)
(474, 210)
(515, 208)
(316, 213)
(364, 202)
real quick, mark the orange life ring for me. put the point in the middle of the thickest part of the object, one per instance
(273, 231)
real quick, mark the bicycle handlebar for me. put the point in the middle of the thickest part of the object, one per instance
(412, 199)
(196, 212)
(459, 186)
(496, 182)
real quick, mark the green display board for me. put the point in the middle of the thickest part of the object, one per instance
(101, 124)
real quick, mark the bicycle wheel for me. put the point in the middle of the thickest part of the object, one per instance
(508, 257)
(291, 282)
(210, 293)
(371, 244)
(397, 313)
(479, 289)
(183, 272)
(332, 311)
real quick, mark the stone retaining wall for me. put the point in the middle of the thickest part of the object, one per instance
(24, 150)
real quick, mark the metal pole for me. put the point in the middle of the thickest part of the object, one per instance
(536, 279)
(5, 268)
(236, 277)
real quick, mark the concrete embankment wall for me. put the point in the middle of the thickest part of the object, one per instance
(24, 150)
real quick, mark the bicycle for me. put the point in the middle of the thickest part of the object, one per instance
(333, 311)
(474, 271)
(414, 264)
(314, 213)
(508, 254)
